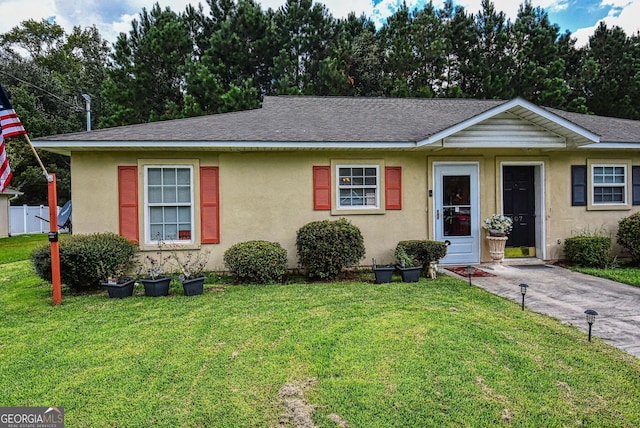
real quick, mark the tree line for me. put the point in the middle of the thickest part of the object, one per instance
(227, 55)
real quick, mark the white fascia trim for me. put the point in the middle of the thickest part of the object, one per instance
(610, 146)
(226, 144)
(501, 145)
(516, 102)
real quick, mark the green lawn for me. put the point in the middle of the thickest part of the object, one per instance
(626, 275)
(19, 247)
(434, 353)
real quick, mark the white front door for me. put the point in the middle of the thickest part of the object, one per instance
(457, 211)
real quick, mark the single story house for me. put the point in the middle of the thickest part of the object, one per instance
(5, 206)
(397, 168)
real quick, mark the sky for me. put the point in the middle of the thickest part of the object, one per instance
(111, 17)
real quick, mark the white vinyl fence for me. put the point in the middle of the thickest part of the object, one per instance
(25, 219)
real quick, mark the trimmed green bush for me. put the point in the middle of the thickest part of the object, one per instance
(87, 260)
(326, 247)
(588, 251)
(425, 251)
(422, 252)
(629, 236)
(256, 262)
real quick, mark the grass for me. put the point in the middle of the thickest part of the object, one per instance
(433, 353)
(19, 247)
(626, 275)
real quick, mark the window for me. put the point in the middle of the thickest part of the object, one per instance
(609, 184)
(169, 203)
(358, 186)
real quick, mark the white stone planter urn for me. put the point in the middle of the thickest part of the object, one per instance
(496, 250)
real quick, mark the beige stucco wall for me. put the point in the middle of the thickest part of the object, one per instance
(269, 195)
(4, 215)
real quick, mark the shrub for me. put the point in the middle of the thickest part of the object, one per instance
(425, 251)
(422, 252)
(87, 260)
(629, 236)
(257, 262)
(326, 247)
(588, 251)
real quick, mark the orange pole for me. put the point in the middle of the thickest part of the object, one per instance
(53, 238)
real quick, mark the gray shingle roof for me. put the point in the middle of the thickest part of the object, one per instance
(333, 119)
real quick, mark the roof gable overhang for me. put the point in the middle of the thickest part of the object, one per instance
(561, 133)
(489, 124)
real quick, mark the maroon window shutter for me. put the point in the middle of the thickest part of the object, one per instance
(128, 202)
(209, 205)
(393, 187)
(321, 187)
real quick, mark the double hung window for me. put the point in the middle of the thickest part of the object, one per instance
(609, 184)
(169, 203)
(358, 186)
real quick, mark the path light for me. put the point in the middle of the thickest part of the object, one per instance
(591, 318)
(523, 290)
(469, 272)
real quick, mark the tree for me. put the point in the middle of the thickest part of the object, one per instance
(45, 71)
(148, 71)
(612, 73)
(539, 73)
(399, 61)
(305, 36)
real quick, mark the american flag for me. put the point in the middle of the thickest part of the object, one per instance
(10, 126)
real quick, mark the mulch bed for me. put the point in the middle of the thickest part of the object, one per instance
(462, 271)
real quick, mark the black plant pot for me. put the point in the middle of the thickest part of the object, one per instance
(156, 287)
(193, 286)
(119, 291)
(410, 274)
(383, 273)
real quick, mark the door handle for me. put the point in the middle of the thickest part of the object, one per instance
(437, 214)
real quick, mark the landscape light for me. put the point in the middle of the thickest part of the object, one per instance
(523, 290)
(591, 318)
(469, 272)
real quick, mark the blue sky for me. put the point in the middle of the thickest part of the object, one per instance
(114, 16)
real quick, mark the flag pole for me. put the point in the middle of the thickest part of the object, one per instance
(52, 193)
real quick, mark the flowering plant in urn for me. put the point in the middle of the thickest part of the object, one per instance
(498, 224)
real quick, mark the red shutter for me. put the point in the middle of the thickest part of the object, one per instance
(209, 205)
(321, 187)
(393, 187)
(128, 202)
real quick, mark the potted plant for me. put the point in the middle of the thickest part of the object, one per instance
(498, 227)
(383, 273)
(117, 283)
(409, 268)
(154, 284)
(191, 265)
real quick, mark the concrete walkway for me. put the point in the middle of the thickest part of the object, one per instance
(565, 295)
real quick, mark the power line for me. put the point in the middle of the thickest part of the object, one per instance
(75, 107)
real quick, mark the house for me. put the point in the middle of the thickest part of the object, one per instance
(397, 168)
(5, 205)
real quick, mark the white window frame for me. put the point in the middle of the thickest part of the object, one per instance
(624, 185)
(150, 240)
(339, 186)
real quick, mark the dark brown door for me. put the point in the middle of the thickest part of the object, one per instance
(519, 204)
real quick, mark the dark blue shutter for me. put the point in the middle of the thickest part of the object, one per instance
(578, 185)
(635, 185)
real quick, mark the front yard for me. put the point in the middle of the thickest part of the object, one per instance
(433, 353)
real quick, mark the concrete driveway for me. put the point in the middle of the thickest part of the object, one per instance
(565, 295)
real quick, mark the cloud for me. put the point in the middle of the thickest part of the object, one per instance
(13, 12)
(623, 14)
(112, 17)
